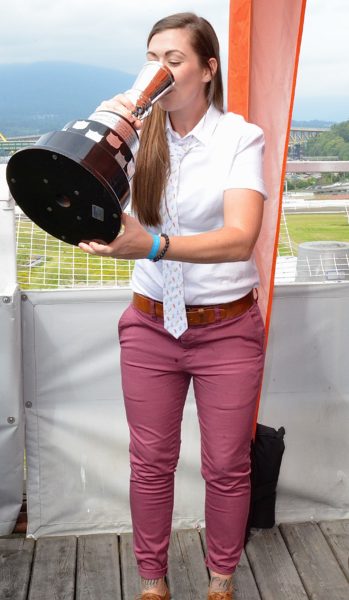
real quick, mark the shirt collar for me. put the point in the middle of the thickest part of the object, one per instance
(203, 130)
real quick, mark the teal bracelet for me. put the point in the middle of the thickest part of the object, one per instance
(155, 247)
(165, 248)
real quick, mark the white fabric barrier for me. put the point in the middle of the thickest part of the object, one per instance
(77, 436)
(11, 411)
(306, 389)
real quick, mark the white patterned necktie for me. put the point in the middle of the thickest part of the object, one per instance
(175, 318)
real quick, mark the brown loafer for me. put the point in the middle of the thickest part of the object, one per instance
(152, 596)
(220, 596)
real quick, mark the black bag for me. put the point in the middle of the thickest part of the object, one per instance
(266, 454)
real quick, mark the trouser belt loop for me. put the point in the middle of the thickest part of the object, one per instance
(153, 311)
(255, 294)
(218, 313)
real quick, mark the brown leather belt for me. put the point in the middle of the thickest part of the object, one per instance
(198, 315)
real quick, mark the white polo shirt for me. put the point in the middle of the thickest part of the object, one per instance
(228, 155)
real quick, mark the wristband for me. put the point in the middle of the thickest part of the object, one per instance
(165, 248)
(155, 247)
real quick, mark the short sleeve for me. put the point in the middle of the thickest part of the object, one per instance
(247, 167)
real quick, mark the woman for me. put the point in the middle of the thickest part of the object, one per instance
(198, 183)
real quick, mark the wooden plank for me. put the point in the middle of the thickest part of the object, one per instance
(129, 571)
(53, 574)
(16, 555)
(317, 566)
(337, 536)
(245, 587)
(272, 566)
(98, 571)
(187, 572)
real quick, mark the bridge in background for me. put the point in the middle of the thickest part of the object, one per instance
(301, 135)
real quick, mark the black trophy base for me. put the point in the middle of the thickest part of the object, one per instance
(63, 194)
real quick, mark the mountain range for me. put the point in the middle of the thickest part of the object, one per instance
(43, 96)
(38, 97)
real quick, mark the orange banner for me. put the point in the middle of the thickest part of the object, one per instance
(264, 47)
(239, 56)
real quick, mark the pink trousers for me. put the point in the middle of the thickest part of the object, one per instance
(225, 361)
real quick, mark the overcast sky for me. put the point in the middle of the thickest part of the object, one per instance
(113, 32)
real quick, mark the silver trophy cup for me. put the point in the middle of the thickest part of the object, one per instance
(75, 183)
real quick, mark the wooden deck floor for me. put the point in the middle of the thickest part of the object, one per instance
(290, 562)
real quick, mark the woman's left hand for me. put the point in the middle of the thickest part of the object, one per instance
(132, 242)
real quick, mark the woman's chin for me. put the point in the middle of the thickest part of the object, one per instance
(166, 103)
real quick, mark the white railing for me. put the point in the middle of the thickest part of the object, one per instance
(285, 246)
(323, 269)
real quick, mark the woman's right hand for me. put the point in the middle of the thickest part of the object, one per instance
(122, 105)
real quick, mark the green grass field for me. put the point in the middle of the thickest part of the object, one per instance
(325, 227)
(55, 264)
(310, 228)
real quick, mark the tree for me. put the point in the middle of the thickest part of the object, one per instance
(331, 143)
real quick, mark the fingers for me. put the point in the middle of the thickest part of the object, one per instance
(122, 228)
(118, 102)
(100, 247)
(122, 105)
(85, 247)
(124, 219)
(95, 248)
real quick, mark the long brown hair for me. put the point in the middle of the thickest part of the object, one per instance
(153, 161)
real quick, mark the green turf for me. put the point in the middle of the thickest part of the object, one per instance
(325, 227)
